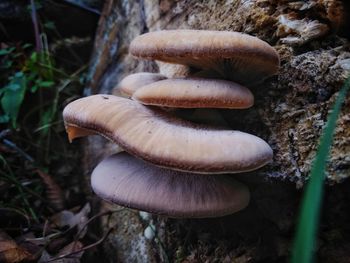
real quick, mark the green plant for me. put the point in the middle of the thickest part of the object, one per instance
(34, 86)
(34, 73)
(36, 164)
(12, 96)
(305, 238)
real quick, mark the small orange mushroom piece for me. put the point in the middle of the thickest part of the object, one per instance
(165, 140)
(236, 56)
(130, 182)
(195, 93)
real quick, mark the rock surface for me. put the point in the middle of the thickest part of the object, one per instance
(291, 107)
(289, 113)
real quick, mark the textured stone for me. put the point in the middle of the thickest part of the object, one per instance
(291, 108)
(290, 112)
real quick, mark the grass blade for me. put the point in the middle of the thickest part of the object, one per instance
(305, 238)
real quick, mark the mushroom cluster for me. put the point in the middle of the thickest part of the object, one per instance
(181, 168)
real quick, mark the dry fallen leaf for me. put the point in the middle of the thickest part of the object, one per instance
(27, 242)
(10, 252)
(66, 251)
(53, 191)
(68, 218)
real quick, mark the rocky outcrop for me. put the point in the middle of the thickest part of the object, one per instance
(289, 113)
(291, 108)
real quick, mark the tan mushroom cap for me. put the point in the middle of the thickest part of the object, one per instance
(195, 93)
(164, 140)
(131, 83)
(130, 182)
(236, 56)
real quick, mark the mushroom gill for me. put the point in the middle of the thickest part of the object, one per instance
(130, 182)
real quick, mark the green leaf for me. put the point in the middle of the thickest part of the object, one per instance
(13, 86)
(17, 55)
(18, 74)
(4, 118)
(13, 96)
(6, 51)
(45, 83)
(31, 76)
(7, 64)
(27, 45)
(34, 57)
(305, 239)
(34, 88)
(2, 159)
(50, 25)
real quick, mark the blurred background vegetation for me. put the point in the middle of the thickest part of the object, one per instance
(45, 47)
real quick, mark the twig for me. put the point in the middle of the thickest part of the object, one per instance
(46, 53)
(82, 6)
(36, 26)
(84, 248)
(51, 68)
(19, 150)
(4, 31)
(85, 225)
(45, 227)
(45, 239)
(110, 212)
(48, 125)
(4, 133)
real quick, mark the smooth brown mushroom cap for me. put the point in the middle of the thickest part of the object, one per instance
(164, 140)
(131, 83)
(236, 56)
(195, 93)
(130, 182)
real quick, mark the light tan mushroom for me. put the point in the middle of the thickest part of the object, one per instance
(164, 140)
(236, 56)
(132, 82)
(130, 182)
(195, 93)
(173, 70)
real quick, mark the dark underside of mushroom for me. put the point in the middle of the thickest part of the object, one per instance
(130, 182)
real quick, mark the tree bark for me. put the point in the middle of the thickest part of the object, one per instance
(290, 111)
